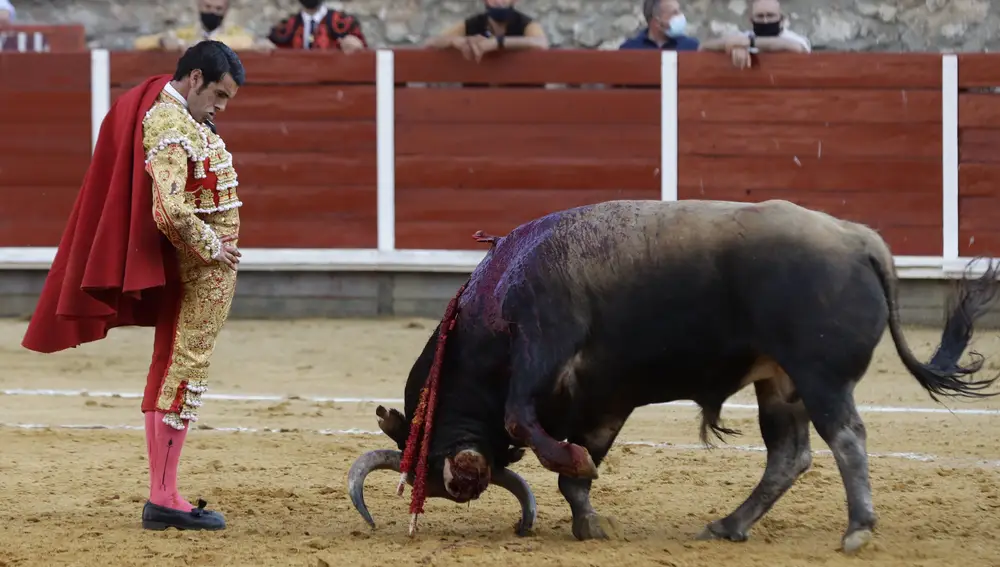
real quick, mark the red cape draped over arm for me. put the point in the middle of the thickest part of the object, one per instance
(111, 268)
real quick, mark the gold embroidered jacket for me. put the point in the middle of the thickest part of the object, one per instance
(192, 175)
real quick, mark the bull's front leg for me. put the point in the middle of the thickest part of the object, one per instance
(533, 368)
(587, 523)
(560, 457)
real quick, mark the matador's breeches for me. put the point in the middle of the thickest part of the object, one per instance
(188, 325)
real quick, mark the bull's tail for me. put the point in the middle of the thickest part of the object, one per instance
(943, 375)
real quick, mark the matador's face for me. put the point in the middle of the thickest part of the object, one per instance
(205, 99)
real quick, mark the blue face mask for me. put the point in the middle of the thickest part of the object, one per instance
(675, 26)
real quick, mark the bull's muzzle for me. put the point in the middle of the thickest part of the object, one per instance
(389, 459)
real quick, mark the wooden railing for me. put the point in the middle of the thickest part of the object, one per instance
(417, 150)
(43, 38)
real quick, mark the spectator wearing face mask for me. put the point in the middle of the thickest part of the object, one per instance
(499, 27)
(211, 25)
(665, 26)
(770, 33)
(318, 27)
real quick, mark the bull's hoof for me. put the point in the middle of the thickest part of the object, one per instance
(856, 541)
(716, 530)
(522, 529)
(595, 526)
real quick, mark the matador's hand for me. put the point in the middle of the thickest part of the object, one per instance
(228, 254)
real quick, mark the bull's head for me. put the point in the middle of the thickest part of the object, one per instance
(459, 473)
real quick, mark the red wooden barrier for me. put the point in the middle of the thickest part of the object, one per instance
(491, 158)
(854, 134)
(302, 134)
(55, 38)
(978, 155)
(44, 143)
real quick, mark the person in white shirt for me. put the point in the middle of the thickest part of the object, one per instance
(7, 13)
(770, 33)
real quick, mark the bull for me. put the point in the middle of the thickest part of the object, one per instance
(576, 318)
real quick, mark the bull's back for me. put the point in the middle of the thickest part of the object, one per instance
(691, 294)
(606, 245)
(665, 252)
(711, 267)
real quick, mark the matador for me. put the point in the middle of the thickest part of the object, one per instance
(151, 242)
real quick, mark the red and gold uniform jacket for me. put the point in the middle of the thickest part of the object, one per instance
(193, 177)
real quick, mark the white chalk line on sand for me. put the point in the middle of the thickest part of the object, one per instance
(908, 456)
(363, 400)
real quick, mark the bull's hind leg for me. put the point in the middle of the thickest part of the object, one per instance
(784, 425)
(587, 523)
(831, 407)
(534, 368)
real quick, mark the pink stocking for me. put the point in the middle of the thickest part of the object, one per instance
(164, 444)
(150, 442)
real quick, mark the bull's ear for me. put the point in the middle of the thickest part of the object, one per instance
(514, 454)
(393, 424)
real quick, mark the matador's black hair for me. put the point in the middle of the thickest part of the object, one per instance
(214, 59)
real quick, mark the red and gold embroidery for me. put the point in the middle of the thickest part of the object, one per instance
(195, 205)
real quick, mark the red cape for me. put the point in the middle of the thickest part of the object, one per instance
(111, 267)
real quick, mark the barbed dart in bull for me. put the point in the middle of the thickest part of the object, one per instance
(422, 425)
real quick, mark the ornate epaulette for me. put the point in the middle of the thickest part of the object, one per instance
(166, 124)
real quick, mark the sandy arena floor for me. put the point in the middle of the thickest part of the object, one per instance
(73, 496)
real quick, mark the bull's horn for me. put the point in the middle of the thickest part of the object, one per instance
(380, 459)
(511, 481)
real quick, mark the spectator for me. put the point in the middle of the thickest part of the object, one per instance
(211, 13)
(665, 24)
(770, 33)
(7, 13)
(499, 27)
(318, 27)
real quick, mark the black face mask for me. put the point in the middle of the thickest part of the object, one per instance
(500, 15)
(769, 29)
(210, 20)
(309, 4)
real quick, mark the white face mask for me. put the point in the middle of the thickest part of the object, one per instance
(675, 26)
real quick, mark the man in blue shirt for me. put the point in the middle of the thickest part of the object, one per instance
(664, 29)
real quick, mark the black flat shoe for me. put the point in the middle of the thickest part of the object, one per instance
(160, 518)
